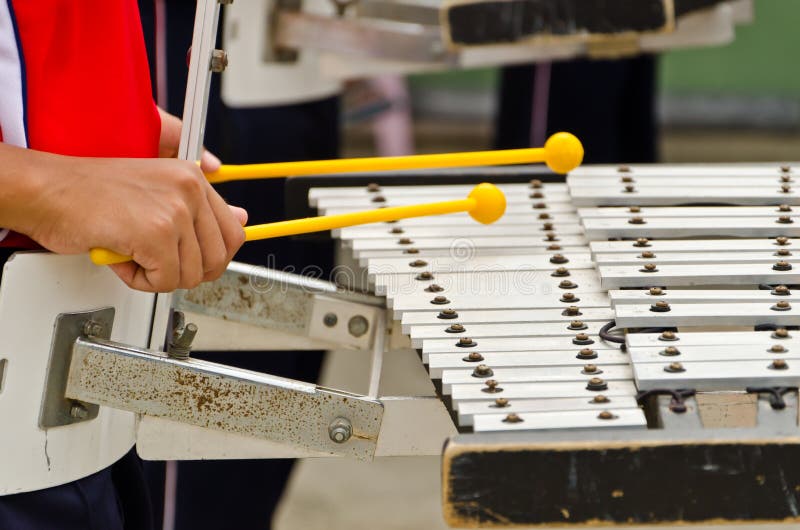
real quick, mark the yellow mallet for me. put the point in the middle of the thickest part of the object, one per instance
(562, 153)
(485, 203)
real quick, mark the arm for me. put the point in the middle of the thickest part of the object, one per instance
(162, 212)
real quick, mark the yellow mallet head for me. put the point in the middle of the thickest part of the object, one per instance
(490, 203)
(563, 152)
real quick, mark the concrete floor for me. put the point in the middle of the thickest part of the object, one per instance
(404, 493)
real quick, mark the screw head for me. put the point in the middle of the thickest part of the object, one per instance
(655, 291)
(330, 319)
(668, 335)
(404, 241)
(418, 263)
(411, 251)
(491, 387)
(782, 305)
(512, 418)
(577, 324)
(785, 220)
(647, 254)
(219, 61)
(641, 242)
(473, 357)
(782, 241)
(777, 348)
(550, 236)
(587, 353)
(536, 183)
(482, 371)
(786, 188)
(466, 342)
(779, 364)
(674, 368)
(547, 227)
(660, 307)
(560, 272)
(783, 252)
(782, 265)
(424, 276)
(623, 169)
(781, 290)
(536, 195)
(634, 209)
(379, 198)
(447, 314)
(78, 411)
(600, 398)
(434, 288)
(637, 220)
(456, 328)
(596, 383)
(554, 247)
(568, 297)
(784, 208)
(440, 300)
(340, 430)
(500, 402)
(540, 206)
(670, 351)
(590, 369)
(572, 311)
(544, 215)
(358, 326)
(785, 169)
(649, 267)
(558, 258)
(781, 333)
(373, 186)
(566, 284)
(605, 415)
(630, 188)
(582, 339)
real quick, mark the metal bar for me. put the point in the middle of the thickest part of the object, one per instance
(468, 410)
(561, 420)
(716, 274)
(511, 208)
(621, 212)
(790, 339)
(315, 195)
(434, 318)
(669, 196)
(686, 227)
(536, 375)
(475, 392)
(714, 376)
(706, 246)
(224, 398)
(453, 264)
(467, 230)
(699, 296)
(723, 353)
(677, 258)
(438, 362)
(544, 343)
(741, 314)
(523, 330)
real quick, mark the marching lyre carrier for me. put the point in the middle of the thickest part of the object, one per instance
(620, 348)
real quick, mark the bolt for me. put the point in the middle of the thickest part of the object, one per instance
(783, 252)
(785, 220)
(466, 342)
(642, 242)
(647, 254)
(670, 351)
(782, 241)
(559, 272)
(786, 169)
(418, 263)
(605, 415)
(582, 339)
(358, 326)
(219, 61)
(600, 398)
(536, 183)
(512, 418)
(566, 284)
(456, 328)
(656, 291)
(500, 402)
(330, 319)
(411, 251)
(782, 266)
(78, 411)
(558, 258)
(668, 335)
(572, 311)
(623, 169)
(491, 387)
(547, 226)
(536, 195)
(434, 288)
(539, 206)
(649, 267)
(567, 297)
(587, 353)
(447, 314)
(784, 208)
(634, 209)
(373, 187)
(550, 236)
(630, 188)
(473, 357)
(786, 178)
(340, 430)
(181, 345)
(424, 276)
(596, 383)
(554, 247)
(482, 371)
(786, 188)
(783, 305)
(674, 368)
(396, 230)
(590, 369)
(404, 241)
(779, 364)
(544, 216)
(637, 220)
(780, 333)
(660, 307)
(781, 290)
(379, 198)
(93, 329)
(577, 324)
(777, 348)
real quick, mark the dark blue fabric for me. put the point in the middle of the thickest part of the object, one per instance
(112, 499)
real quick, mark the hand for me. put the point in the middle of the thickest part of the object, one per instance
(171, 138)
(161, 212)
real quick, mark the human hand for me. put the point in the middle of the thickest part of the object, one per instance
(170, 140)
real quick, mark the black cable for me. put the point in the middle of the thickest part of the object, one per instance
(605, 335)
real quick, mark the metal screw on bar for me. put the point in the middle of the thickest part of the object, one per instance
(783, 305)
(434, 288)
(560, 272)
(404, 241)
(586, 353)
(591, 369)
(649, 267)
(340, 430)
(219, 61)
(582, 339)
(330, 319)
(670, 351)
(447, 314)
(572, 311)
(624, 169)
(440, 300)
(785, 169)
(630, 188)
(396, 230)
(544, 216)
(660, 307)
(634, 209)
(466, 342)
(668, 336)
(411, 251)
(536, 195)
(782, 252)
(455, 328)
(779, 364)
(547, 227)
(566, 284)
(554, 247)
(642, 242)
(600, 399)
(512, 418)
(424, 276)
(181, 345)
(569, 297)
(782, 241)
(550, 236)
(781, 333)
(491, 387)
(373, 187)
(536, 183)
(637, 220)
(378, 198)
(781, 290)
(577, 325)
(784, 208)
(596, 383)
(540, 206)
(647, 254)
(558, 259)
(482, 371)
(473, 357)
(358, 326)
(777, 348)
(93, 329)
(418, 263)
(785, 220)
(500, 403)
(674, 368)
(605, 415)
(786, 189)
(786, 178)
(655, 291)
(782, 266)
(78, 411)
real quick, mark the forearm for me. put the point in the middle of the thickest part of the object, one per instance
(22, 180)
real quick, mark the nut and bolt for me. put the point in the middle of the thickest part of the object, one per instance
(424, 276)
(78, 411)
(560, 272)
(647, 254)
(582, 339)
(434, 288)
(512, 418)
(655, 291)
(540, 206)
(660, 307)
(418, 263)
(379, 198)
(501, 403)
(634, 209)
(456, 328)
(642, 242)
(566, 284)
(340, 430)
(547, 227)
(786, 188)
(785, 169)
(330, 319)
(404, 241)
(491, 387)
(630, 188)
(466, 342)
(783, 252)
(587, 353)
(783, 305)
(554, 247)
(544, 216)
(358, 326)
(558, 258)
(568, 297)
(576, 325)
(668, 335)
(596, 384)
(605, 415)
(591, 369)
(784, 208)
(536, 183)
(219, 61)
(781, 333)
(779, 364)
(623, 169)
(473, 357)
(781, 290)
(373, 186)
(572, 311)
(785, 220)
(782, 266)
(782, 241)
(181, 345)
(670, 351)
(396, 230)
(777, 348)
(674, 368)
(600, 399)
(482, 371)
(536, 195)
(411, 251)
(92, 328)
(649, 267)
(440, 300)
(637, 220)
(447, 314)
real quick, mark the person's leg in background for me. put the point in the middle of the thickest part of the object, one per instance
(609, 105)
(243, 494)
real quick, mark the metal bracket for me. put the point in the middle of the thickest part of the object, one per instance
(224, 398)
(56, 409)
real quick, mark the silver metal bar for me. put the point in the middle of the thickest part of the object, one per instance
(568, 328)
(715, 376)
(315, 195)
(472, 229)
(677, 170)
(521, 197)
(455, 264)
(358, 38)
(482, 251)
(689, 258)
(765, 339)
(669, 196)
(528, 217)
(433, 318)
(511, 208)
(468, 410)
(502, 301)
(706, 181)
(376, 362)
(699, 296)
(546, 374)
(706, 246)
(723, 353)
(686, 227)
(542, 343)
(715, 274)
(742, 314)
(573, 419)
(655, 212)
(475, 392)
(223, 398)
(438, 362)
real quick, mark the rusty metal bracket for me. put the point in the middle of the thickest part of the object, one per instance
(224, 398)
